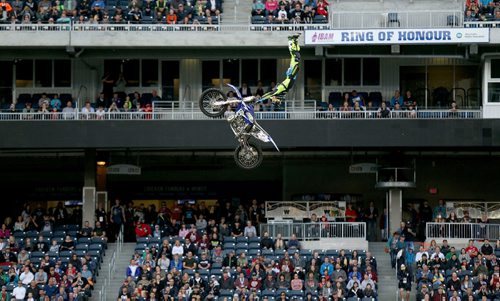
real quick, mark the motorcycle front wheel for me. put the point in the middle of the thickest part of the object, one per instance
(248, 155)
(207, 100)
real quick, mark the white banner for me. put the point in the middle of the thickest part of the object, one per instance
(397, 36)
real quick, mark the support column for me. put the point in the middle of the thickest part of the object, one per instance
(89, 187)
(395, 203)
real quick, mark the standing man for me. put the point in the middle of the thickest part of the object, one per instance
(107, 85)
(117, 217)
(371, 218)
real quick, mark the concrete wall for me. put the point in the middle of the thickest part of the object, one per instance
(289, 134)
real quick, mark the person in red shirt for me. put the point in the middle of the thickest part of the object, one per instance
(471, 249)
(350, 214)
(321, 8)
(142, 229)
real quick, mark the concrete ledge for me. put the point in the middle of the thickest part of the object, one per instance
(336, 244)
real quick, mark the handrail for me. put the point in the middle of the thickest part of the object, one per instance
(157, 27)
(462, 231)
(306, 231)
(111, 266)
(194, 114)
(399, 19)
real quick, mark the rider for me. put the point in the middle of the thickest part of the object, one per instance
(291, 74)
(282, 88)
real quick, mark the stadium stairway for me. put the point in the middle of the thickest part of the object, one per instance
(387, 285)
(122, 260)
(236, 12)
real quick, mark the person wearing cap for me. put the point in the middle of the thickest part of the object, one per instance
(269, 282)
(392, 246)
(226, 282)
(440, 294)
(4, 294)
(230, 260)
(479, 268)
(404, 285)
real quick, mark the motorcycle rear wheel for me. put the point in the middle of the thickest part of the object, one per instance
(248, 155)
(207, 100)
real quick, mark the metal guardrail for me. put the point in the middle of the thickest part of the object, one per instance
(312, 231)
(482, 24)
(135, 27)
(397, 19)
(276, 115)
(462, 231)
(111, 267)
(337, 20)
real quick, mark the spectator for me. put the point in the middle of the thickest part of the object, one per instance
(250, 230)
(19, 293)
(258, 8)
(55, 103)
(266, 242)
(356, 98)
(371, 217)
(293, 242)
(397, 98)
(184, 15)
(142, 229)
(271, 7)
(405, 279)
(213, 8)
(409, 100)
(297, 14)
(322, 8)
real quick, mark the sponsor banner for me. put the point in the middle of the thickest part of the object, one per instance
(397, 36)
(363, 168)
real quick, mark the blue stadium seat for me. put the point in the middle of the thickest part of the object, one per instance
(80, 253)
(253, 252)
(241, 239)
(227, 239)
(59, 234)
(142, 240)
(242, 245)
(255, 239)
(82, 246)
(37, 254)
(229, 246)
(65, 254)
(258, 20)
(254, 245)
(320, 19)
(19, 234)
(24, 98)
(84, 240)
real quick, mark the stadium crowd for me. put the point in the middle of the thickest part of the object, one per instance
(48, 107)
(110, 11)
(45, 257)
(195, 252)
(443, 272)
(482, 10)
(285, 11)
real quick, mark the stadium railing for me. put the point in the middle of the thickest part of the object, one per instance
(313, 231)
(277, 115)
(401, 19)
(462, 231)
(143, 27)
(482, 24)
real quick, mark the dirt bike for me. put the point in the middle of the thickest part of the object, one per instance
(214, 103)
